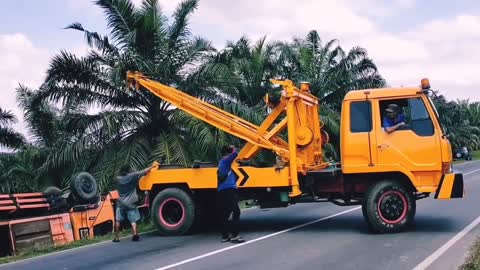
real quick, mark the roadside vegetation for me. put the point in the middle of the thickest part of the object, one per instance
(474, 154)
(473, 260)
(35, 252)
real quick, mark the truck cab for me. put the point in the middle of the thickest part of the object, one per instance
(418, 151)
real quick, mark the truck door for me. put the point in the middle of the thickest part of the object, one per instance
(415, 147)
(357, 138)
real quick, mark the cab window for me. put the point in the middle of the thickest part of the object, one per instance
(412, 111)
(360, 116)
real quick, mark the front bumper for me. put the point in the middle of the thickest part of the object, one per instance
(451, 186)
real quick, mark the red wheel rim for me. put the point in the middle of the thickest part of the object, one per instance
(392, 207)
(171, 212)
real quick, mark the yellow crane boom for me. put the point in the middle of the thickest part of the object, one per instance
(299, 108)
(214, 116)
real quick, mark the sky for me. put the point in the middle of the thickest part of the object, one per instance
(407, 39)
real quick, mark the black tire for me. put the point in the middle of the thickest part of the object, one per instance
(173, 212)
(365, 216)
(84, 188)
(389, 207)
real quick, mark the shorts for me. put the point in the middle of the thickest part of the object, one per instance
(132, 215)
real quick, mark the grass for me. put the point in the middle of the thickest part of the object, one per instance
(246, 204)
(475, 156)
(473, 260)
(34, 252)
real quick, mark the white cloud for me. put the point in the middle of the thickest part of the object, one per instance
(461, 27)
(452, 57)
(277, 20)
(167, 5)
(22, 63)
(405, 3)
(84, 6)
(445, 50)
(379, 8)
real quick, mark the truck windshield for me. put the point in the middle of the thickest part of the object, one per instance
(437, 116)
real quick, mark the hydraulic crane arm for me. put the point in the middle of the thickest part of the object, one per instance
(214, 116)
(299, 109)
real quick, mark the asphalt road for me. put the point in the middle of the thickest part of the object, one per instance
(304, 236)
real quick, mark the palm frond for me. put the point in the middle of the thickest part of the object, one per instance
(179, 30)
(171, 148)
(7, 117)
(10, 138)
(121, 18)
(94, 39)
(42, 118)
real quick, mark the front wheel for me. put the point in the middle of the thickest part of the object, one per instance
(389, 207)
(173, 212)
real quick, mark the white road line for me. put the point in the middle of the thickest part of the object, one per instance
(471, 172)
(430, 259)
(471, 180)
(435, 255)
(254, 240)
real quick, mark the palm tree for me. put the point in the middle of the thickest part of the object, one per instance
(132, 126)
(19, 170)
(239, 74)
(246, 71)
(50, 131)
(242, 71)
(472, 112)
(460, 118)
(8, 137)
(331, 72)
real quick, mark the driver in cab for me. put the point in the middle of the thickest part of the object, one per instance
(393, 118)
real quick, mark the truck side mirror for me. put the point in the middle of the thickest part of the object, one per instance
(446, 133)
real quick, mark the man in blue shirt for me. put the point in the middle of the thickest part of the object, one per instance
(227, 189)
(394, 119)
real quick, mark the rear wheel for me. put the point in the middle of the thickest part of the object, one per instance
(389, 207)
(173, 211)
(84, 188)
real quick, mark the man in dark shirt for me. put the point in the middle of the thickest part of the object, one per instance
(393, 119)
(227, 189)
(127, 201)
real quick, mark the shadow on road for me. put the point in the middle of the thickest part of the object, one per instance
(344, 224)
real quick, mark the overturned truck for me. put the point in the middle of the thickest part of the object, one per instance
(55, 216)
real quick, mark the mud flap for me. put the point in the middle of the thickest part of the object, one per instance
(451, 186)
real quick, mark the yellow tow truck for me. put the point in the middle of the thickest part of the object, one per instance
(384, 172)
